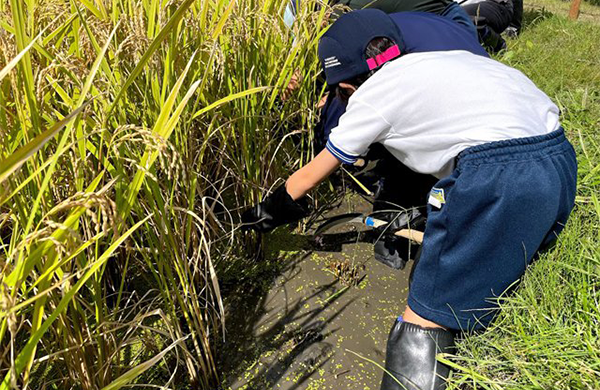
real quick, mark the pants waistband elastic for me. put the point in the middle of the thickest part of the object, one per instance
(511, 147)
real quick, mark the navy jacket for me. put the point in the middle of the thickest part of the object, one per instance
(424, 32)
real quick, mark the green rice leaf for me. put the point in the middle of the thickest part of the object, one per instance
(17, 159)
(23, 268)
(27, 352)
(163, 127)
(88, 85)
(224, 17)
(130, 375)
(228, 99)
(6, 70)
(148, 54)
(90, 6)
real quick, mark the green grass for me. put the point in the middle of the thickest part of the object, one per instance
(546, 336)
(588, 11)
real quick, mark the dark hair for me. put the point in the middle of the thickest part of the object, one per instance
(374, 48)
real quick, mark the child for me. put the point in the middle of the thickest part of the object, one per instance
(507, 176)
(492, 17)
(420, 32)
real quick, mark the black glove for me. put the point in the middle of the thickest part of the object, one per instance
(277, 209)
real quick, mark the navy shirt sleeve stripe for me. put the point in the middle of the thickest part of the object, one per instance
(340, 155)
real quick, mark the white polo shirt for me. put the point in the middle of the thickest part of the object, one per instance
(426, 108)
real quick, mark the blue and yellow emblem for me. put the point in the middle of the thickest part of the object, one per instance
(436, 197)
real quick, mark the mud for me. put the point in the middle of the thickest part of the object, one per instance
(310, 329)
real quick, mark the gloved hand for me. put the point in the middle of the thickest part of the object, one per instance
(275, 210)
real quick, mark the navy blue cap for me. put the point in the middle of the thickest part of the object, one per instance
(342, 47)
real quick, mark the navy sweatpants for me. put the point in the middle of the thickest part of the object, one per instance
(503, 202)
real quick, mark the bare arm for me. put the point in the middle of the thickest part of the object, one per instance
(313, 173)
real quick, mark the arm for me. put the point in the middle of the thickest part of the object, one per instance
(285, 204)
(313, 173)
(359, 127)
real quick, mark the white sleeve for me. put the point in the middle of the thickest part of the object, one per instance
(360, 126)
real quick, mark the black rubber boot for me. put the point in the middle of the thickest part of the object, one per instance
(392, 251)
(493, 41)
(490, 39)
(410, 357)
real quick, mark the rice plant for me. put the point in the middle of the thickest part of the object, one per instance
(132, 132)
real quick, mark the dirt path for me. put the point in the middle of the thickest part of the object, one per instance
(299, 335)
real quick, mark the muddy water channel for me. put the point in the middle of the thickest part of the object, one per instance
(316, 321)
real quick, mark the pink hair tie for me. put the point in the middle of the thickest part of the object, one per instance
(384, 57)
